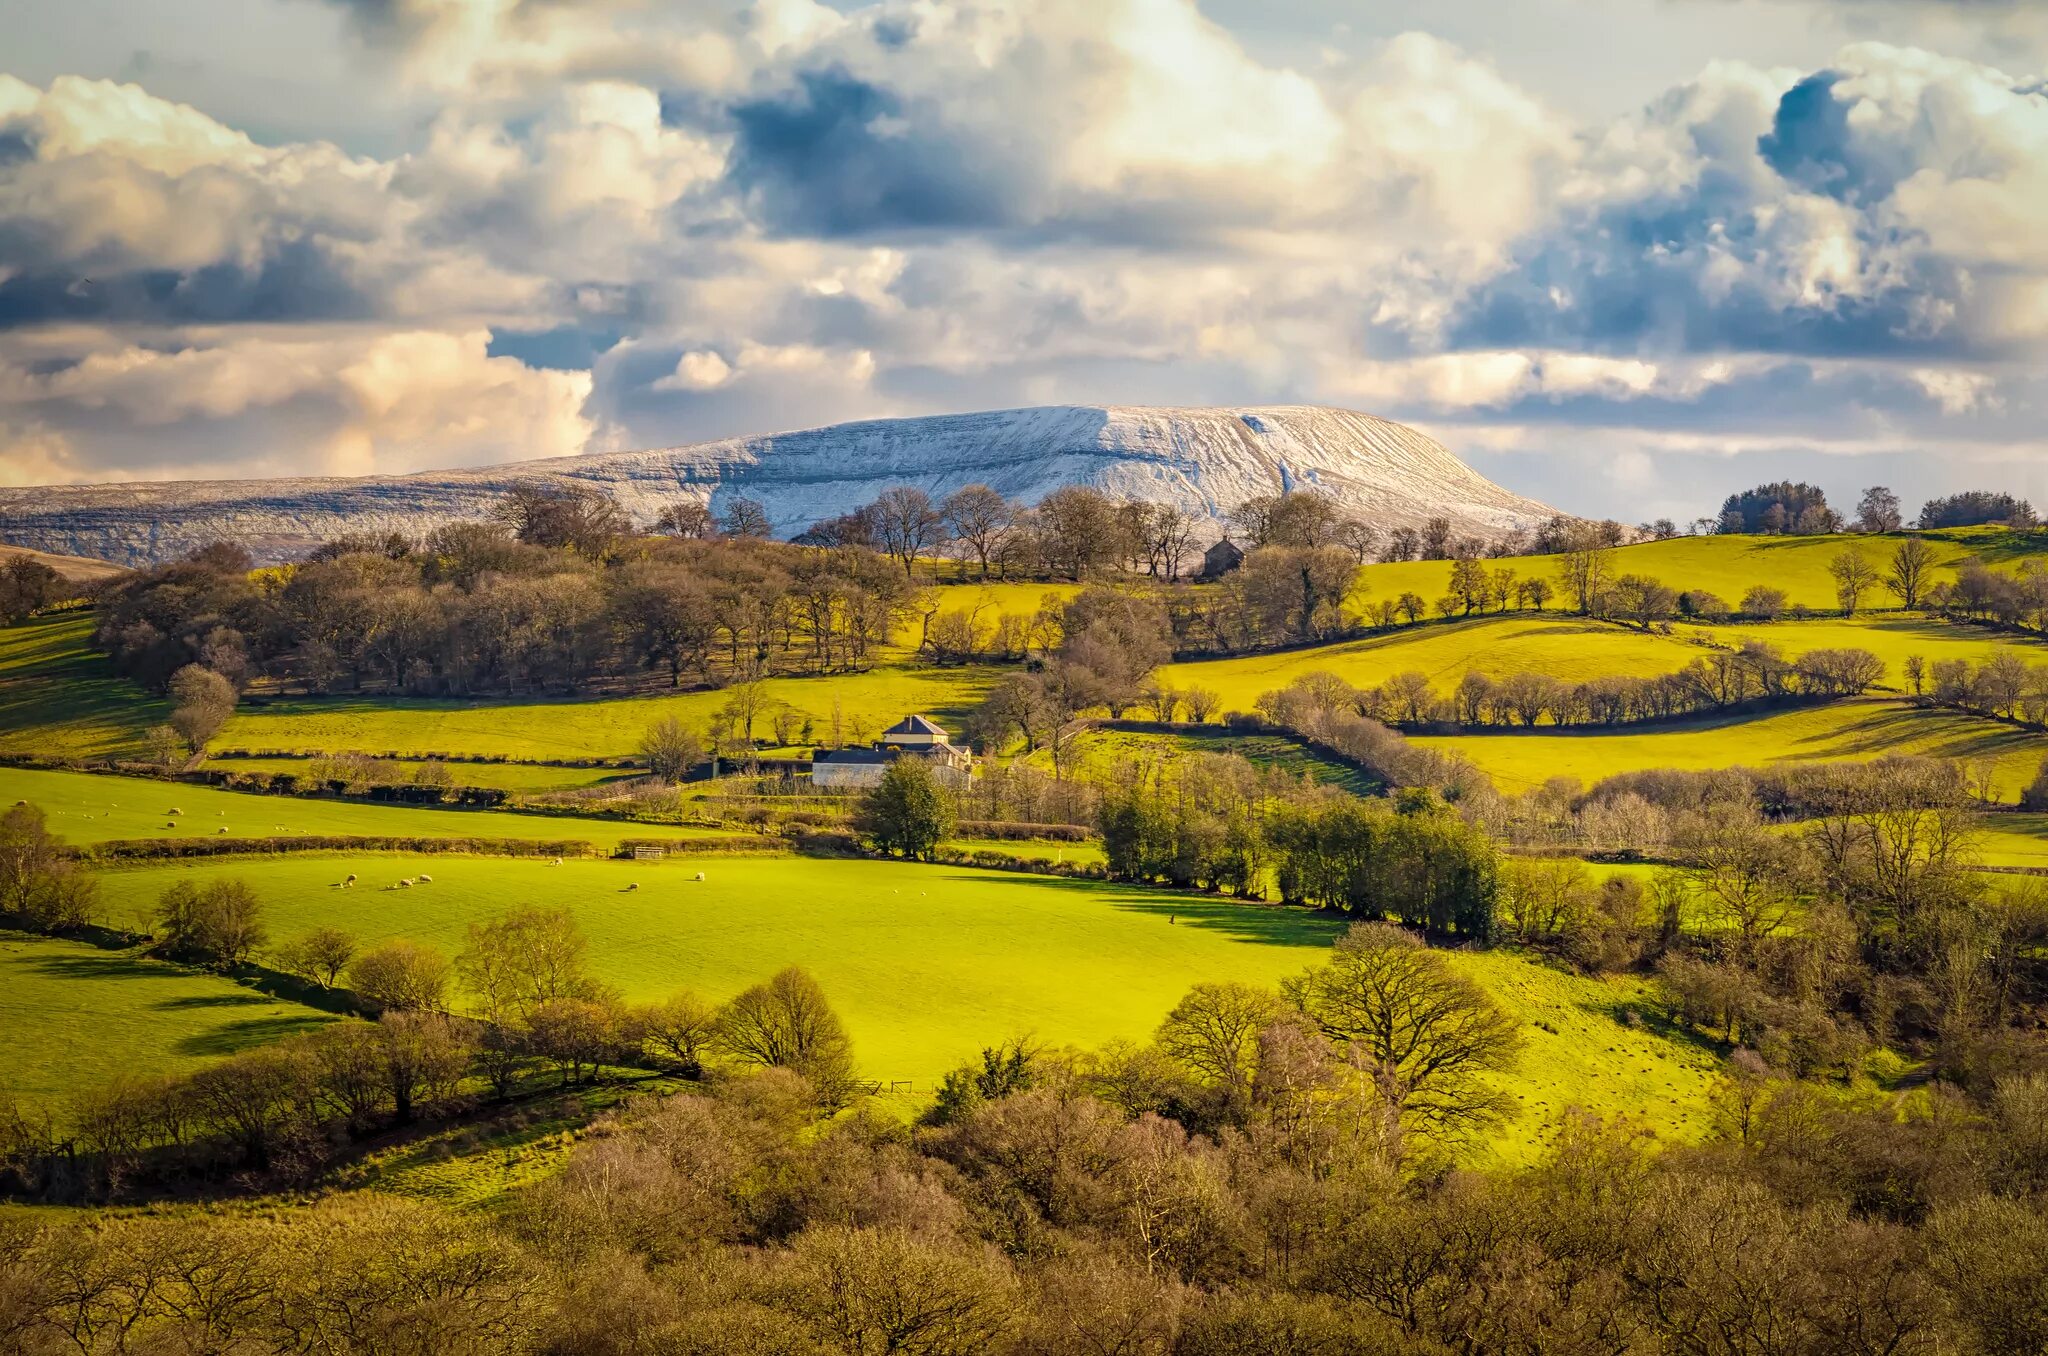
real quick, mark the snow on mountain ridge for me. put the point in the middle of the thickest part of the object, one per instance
(1207, 460)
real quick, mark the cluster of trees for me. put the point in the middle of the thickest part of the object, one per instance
(2005, 685)
(1215, 822)
(27, 586)
(1236, 1185)
(531, 1006)
(1802, 509)
(1110, 640)
(1719, 681)
(1973, 508)
(1981, 594)
(41, 888)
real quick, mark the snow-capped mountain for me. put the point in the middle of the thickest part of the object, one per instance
(1206, 460)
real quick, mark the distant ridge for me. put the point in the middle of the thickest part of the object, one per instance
(1207, 460)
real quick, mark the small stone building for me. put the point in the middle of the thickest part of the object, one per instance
(1221, 559)
(911, 737)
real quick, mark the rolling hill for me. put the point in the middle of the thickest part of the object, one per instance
(1204, 460)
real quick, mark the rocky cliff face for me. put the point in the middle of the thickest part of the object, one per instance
(1206, 460)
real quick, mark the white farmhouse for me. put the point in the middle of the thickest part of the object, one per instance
(911, 737)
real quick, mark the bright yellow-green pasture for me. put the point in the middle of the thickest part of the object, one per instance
(928, 963)
(1848, 730)
(1099, 753)
(84, 808)
(593, 728)
(2013, 840)
(1568, 648)
(73, 1016)
(58, 696)
(1728, 566)
(1891, 638)
(1575, 649)
(522, 777)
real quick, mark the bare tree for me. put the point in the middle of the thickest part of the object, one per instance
(1911, 563)
(908, 525)
(1423, 1036)
(687, 519)
(746, 518)
(1854, 576)
(981, 518)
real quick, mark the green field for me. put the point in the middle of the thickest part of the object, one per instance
(1099, 752)
(517, 777)
(86, 807)
(927, 964)
(58, 696)
(1728, 566)
(1574, 649)
(1030, 849)
(2013, 840)
(1569, 648)
(74, 1016)
(590, 728)
(1847, 730)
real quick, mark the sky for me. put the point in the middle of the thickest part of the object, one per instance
(1625, 256)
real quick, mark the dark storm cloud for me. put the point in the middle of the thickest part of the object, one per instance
(834, 155)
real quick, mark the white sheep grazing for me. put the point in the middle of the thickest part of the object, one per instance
(176, 811)
(222, 829)
(406, 883)
(556, 862)
(698, 876)
(351, 879)
(425, 879)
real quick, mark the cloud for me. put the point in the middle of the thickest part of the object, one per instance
(340, 404)
(681, 222)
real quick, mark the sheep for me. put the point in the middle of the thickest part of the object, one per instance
(21, 803)
(351, 879)
(698, 876)
(556, 862)
(425, 879)
(633, 885)
(222, 829)
(175, 811)
(406, 883)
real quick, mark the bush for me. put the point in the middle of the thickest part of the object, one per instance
(907, 812)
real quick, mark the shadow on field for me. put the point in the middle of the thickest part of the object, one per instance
(1938, 734)
(214, 1000)
(236, 1037)
(103, 965)
(1240, 920)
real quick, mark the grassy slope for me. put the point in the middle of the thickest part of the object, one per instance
(74, 1016)
(86, 807)
(587, 728)
(1574, 649)
(522, 777)
(1103, 750)
(1852, 730)
(58, 697)
(1728, 566)
(926, 964)
(1569, 648)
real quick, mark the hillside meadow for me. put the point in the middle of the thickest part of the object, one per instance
(85, 808)
(1725, 565)
(1855, 730)
(928, 963)
(74, 1017)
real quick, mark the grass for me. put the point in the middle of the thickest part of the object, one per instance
(2013, 840)
(927, 964)
(1728, 566)
(1031, 849)
(517, 777)
(1101, 751)
(1848, 730)
(1890, 638)
(58, 696)
(1568, 648)
(85, 808)
(74, 1016)
(590, 727)
(1588, 1045)
(1575, 649)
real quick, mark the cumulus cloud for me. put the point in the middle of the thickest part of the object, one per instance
(625, 223)
(341, 404)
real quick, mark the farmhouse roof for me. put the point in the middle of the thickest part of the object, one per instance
(858, 756)
(915, 725)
